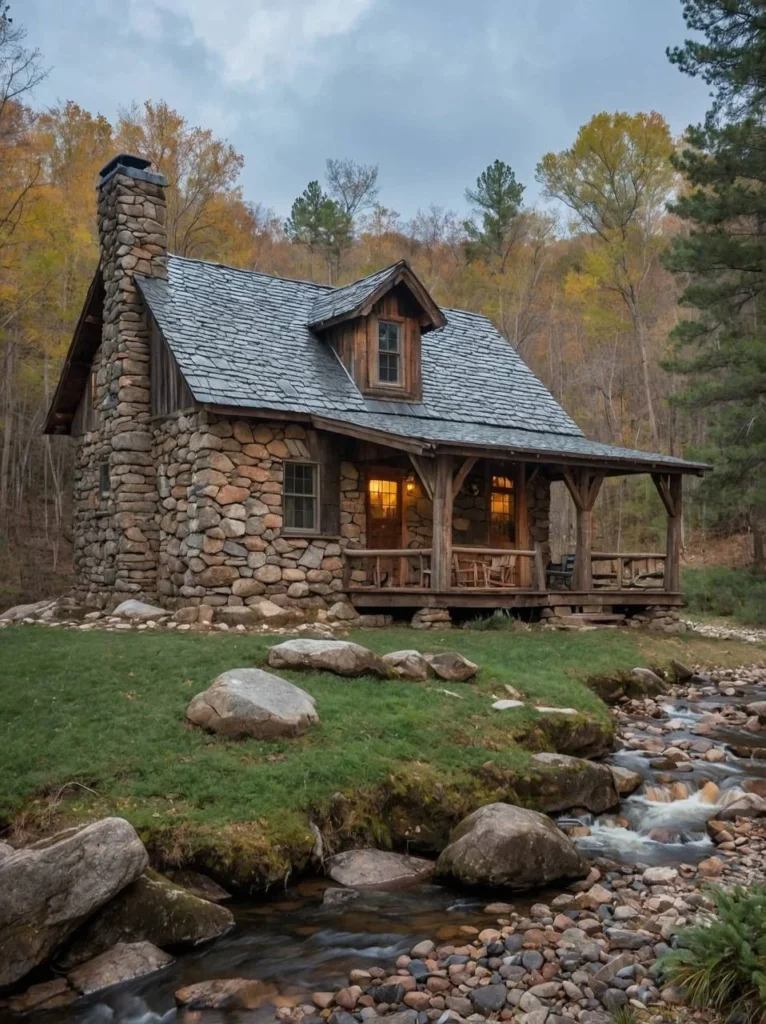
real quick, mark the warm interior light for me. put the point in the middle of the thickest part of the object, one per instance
(410, 483)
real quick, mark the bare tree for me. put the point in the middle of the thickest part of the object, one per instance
(353, 186)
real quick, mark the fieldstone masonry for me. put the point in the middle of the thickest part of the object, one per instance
(116, 534)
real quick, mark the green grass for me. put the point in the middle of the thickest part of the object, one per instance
(93, 723)
(720, 592)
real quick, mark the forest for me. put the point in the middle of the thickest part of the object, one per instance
(634, 289)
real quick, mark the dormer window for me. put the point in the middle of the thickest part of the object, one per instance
(390, 352)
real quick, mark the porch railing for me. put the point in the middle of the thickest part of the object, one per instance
(472, 568)
(622, 570)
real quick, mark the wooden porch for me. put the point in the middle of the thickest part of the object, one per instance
(450, 574)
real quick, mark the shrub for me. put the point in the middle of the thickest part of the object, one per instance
(721, 961)
(721, 591)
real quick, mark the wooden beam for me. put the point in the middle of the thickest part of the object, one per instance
(426, 473)
(664, 484)
(673, 535)
(583, 485)
(441, 559)
(461, 474)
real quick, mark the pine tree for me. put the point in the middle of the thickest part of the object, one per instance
(319, 223)
(497, 199)
(722, 348)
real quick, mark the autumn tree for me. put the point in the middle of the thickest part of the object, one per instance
(202, 172)
(722, 347)
(616, 179)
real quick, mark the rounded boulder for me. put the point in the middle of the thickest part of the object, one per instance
(250, 702)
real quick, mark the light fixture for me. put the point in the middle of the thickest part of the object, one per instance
(409, 483)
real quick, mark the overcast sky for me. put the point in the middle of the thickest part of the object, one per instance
(431, 90)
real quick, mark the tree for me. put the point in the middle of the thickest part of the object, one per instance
(353, 186)
(617, 178)
(497, 201)
(321, 225)
(201, 170)
(722, 349)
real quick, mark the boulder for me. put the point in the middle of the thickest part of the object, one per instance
(124, 962)
(339, 656)
(651, 684)
(152, 909)
(250, 702)
(48, 995)
(377, 869)
(746, 805)
(139, 611)
(757, 707)
(682, 672)
(501, 844)
(452, 666)
(576, 782)
(226, 993)
(408, 665)
(625, 780)
(6, 851)
(48, 889)
(200, 885)
(28, 611)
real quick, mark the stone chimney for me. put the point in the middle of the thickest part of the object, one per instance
(133, 240)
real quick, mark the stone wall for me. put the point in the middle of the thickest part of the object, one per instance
(221, 540)
(115, 535)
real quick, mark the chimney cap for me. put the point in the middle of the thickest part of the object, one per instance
(124, 160)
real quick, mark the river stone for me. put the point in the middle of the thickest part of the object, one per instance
(48, 889)
(409, 665)
(488, 998)
(251, 702)
(575, 782)
(377, 869)
(48, 995)
(151, 909)
(27, 611)
(125, 961)
(339, 656)
(651, 684)
(6, 851)
(625, 780)
(500, 844)
(200, 885)
(139, 611)
(748, 805)
(226, 993)
(757, 707)
(452, 666)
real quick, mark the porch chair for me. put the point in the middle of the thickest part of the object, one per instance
(559, 574)
(464, 572)
(500, 571)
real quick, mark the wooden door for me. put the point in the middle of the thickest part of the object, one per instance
(384, 510)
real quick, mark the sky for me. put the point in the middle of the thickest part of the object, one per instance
(430, 90)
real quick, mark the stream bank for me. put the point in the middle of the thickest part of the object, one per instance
(318, 954)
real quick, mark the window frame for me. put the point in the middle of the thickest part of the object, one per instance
(303, 531)
(399, 385)
(512, 492)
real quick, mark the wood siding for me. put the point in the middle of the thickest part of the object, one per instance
(169, 390)
(356, 342)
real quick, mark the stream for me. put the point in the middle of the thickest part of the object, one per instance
(308, 938)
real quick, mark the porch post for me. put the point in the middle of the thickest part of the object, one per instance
(669, 488)
(441, 559)
(583, 485)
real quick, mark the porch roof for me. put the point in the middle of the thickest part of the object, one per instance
(505, 441)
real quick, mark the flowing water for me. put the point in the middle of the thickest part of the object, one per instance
(302, 942)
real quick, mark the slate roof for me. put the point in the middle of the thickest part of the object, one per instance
(241, 338)
(339, 301)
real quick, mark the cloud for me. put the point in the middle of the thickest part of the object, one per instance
(258, 44)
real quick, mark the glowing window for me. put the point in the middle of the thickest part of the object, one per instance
(502, 525)
(384, 499)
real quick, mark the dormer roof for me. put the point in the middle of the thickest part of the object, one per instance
(356, 299)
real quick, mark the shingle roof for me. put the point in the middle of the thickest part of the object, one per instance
(337, 301)
(241, 338)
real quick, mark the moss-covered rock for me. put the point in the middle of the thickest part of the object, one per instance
(638, 683)
(568, 782)
(151, 909)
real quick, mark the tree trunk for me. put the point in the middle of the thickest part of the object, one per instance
(639, 331)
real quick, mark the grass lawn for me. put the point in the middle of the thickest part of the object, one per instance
(92, 724)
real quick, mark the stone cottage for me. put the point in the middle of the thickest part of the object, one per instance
(241, 436)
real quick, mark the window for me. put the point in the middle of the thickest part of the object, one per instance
(384, 499)
(300, 496)
(104, 483)
(502, 525)
(389, 352)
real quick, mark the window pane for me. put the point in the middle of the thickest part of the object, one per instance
(384, 499)
(300, 496)
(388, 367)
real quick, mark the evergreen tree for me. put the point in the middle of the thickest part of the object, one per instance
(319, 223)
(497, 199)
(722, 348)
